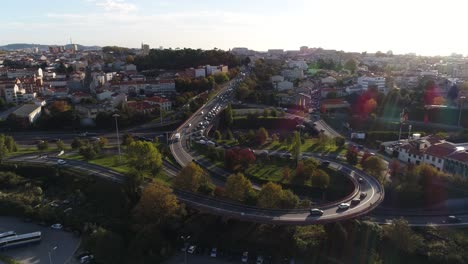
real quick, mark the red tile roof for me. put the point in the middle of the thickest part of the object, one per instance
(459, 156)
(441, 150)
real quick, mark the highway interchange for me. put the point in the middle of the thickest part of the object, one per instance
(179, 149)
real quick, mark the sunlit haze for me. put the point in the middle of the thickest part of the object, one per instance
(423, 27)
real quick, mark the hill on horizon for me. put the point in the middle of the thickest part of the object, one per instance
(42, 47)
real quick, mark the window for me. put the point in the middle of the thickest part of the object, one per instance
(433, 159)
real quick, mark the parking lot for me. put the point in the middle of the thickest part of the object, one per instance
(65, 243)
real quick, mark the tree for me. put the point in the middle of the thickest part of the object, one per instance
(3, 148)
(103, 142)
(229, 135)
(352, 156)
(42, 145)
(60, 145)
(296, 146)
(375, 167)
(266, 113)
(106, 246)
(156, 205)
(228, 119)
(221, 77)
(274, 138)
(60, 106)
(310, 237)
(401, 236)
(365, 156)
(273, 112)
(10, 144)
(127, 139)
(340, 141)
(270, 195)
(144, 156)
(190, 178)
(262, 136)
(351, 65)
(88, 152)
(217, 135)
(286, 174)
(320, 179)
(237, 187)
(288, 200)
(395, 168)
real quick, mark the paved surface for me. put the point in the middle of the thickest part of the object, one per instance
(66, 243)
(195, 259)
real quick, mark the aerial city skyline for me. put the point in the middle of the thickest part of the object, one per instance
(423, 28)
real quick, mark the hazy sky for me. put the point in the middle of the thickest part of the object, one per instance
(424, 27)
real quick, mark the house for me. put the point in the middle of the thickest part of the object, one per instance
(328, 80)
(366, 81)
(276, 78)
(142, 106)
(284, 85)
(457, 163)
(91, 110)
(435, 154)
(330, 104)
(293, 74)
(106, 95)
(147, 87)
(163, 103)
(195, 73)
(29, 112)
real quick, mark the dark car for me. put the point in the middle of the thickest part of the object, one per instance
(316, 211)
(453, 219)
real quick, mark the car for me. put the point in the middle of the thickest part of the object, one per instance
(245, 257)
(363, 195)
(355, 201)
(86, 259)
(316, 211)
(322, 130)
(453, 219)
(213, 252)
(57, 226)
(61, 162)
(191, 249)
(259, 260)
(343, 206)
(361, 180)
(325, 164)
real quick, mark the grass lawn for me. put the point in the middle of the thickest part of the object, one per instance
(22, 151)
(310, 145)
(8, 260)
(270, 172)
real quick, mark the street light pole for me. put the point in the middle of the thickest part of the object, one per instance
(185, 238)
(50, 255)
(117, 132)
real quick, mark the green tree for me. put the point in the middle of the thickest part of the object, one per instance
(42, 145)
(309, 238)
(3, 148)
(262, 136)
(190, 178)
(340, 141)
(77, 143)
(127, 139)
(228, 118)
(266, 113)
(221, 78)
(399, 233)
(351, 65)
(11, 144)
(103, 142)
(60, 145)
(273, 112)
(217, 135)
(375, 166)
(229, 135)
(237, 187)
(106, 246)
(320, 179)
(288, 200)
(270, 195)
(88, 152)
(296, 146)
(352, 156)
(144, 156)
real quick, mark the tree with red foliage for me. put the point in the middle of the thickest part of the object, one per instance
(238, 157)
(395, 168)
(364, 157)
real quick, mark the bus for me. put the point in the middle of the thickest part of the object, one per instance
(19, 240)
(7, 234)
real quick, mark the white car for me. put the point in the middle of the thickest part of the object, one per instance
(213, 252)
(259, 260)
(245, 257)
(191, 249)
(343, 206)
(56, 226)
(61, 162)
(86, 259)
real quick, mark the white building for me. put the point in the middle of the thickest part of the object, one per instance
(301, 64)
(293, 74)
(366, 81)
(328, 80)
(276, 78)
(30, 112)
(157, 87)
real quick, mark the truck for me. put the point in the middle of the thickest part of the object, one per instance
(177, 136)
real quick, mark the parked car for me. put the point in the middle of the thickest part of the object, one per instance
(191, 249)
(61, 162)
(245, 257)
(453, 219)
(213, 252)
(361, 180)
(259, 260)
(57, 226)
(363, 195)
(86, 259)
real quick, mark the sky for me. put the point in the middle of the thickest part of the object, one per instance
(403, 26)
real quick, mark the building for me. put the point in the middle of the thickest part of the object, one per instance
(331, 104)
(301, 64)
(163, 103)
(293, 74)
(284, 85)
(195, 73)
(145, 49)
(366, 81)
(29, 112)
(146, 87)
(328, 80)
(457, 163)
